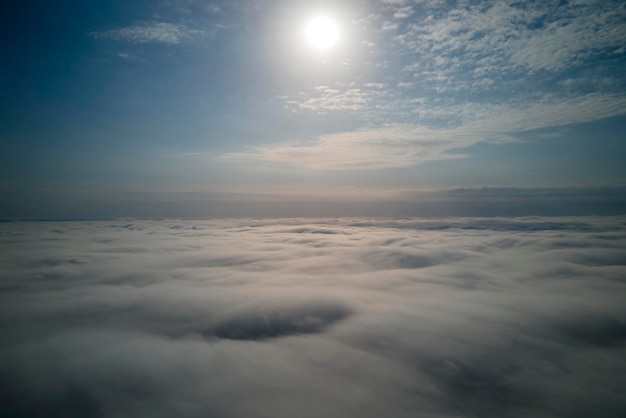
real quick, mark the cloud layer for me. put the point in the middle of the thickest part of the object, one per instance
(302, 317)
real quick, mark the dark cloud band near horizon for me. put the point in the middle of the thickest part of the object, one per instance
(481, 202)
(344, 317)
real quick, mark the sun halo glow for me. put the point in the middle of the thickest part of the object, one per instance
(322, 33)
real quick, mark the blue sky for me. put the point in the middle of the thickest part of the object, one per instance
(228, 96)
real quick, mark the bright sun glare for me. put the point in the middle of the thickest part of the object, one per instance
(322, 32)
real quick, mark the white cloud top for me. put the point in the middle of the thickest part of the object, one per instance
(487, 317)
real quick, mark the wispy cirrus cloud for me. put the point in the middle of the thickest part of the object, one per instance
(401, 145)
(149, 32)
(376, 148)
(467, 73)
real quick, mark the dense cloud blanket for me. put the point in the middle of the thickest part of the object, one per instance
(314, 318)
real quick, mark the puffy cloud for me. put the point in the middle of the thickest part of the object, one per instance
(403, 12)
(324, 99)
(530, 37)
(502, 317)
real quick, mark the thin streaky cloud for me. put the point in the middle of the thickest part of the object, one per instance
(149, 32)
(402, 145)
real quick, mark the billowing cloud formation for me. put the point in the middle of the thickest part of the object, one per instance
(302, 317)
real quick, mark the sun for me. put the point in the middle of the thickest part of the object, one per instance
(322, 33)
